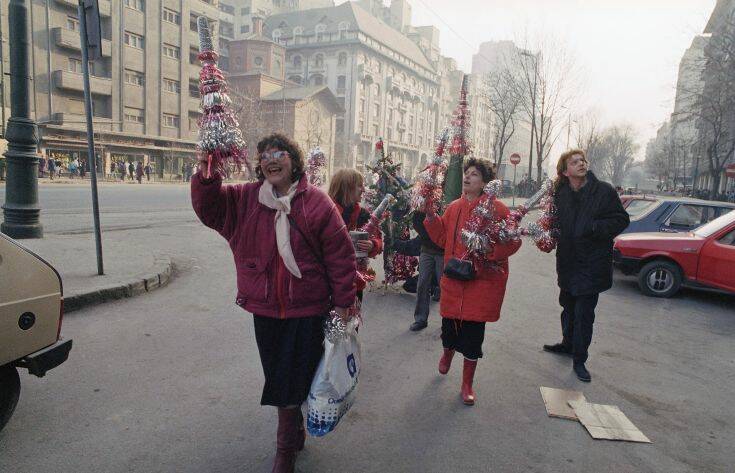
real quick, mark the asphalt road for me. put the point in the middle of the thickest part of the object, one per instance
(67, 208)
(171, 381)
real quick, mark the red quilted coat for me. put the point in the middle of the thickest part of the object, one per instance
(264, 285)
(481, 299)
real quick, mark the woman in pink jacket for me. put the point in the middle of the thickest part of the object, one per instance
(295, 262)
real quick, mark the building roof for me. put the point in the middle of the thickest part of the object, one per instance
(305, 93)
(358, 18)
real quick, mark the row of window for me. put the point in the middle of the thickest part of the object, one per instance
(137, 115)
(318, 30)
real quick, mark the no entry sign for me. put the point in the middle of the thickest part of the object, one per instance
(730, 171)
(515, 159)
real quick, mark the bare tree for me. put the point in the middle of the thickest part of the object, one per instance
(505, 104)
(714, 105)
(251, 114)
(546, 81)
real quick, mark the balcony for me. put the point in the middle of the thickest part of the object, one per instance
(69, 39)
(104, 6)
(73, 81)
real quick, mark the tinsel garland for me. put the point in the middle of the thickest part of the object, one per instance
(220, 141)
(426, 194)
(543, 231)
(401, 266)
(372, 227)
(314, 166)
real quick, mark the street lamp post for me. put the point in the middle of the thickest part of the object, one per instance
(21, 210)
(533, 109)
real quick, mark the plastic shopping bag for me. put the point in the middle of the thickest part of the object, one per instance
(332, 392)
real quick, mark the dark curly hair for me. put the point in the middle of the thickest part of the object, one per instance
(482, 165)
(282, 143)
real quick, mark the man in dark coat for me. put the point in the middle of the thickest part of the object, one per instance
(589, 216)
(431, 266)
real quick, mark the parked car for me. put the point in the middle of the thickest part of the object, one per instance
(31, 310)
(637, 204)
(663, 262)
(676, 214)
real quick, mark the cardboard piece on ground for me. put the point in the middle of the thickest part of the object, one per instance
(557, 402)
(607, 422)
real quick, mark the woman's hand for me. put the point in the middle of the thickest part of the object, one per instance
(365, 245)
(343, 313)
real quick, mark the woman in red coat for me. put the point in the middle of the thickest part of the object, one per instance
(345, 189)
(467, 305)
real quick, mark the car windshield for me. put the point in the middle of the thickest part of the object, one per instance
(709, 228)
(638, 206)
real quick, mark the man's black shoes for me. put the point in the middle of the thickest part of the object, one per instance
(416, 326)
(559, 349)
(582, 372)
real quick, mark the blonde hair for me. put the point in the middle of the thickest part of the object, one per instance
(343, 185)
(561, 166)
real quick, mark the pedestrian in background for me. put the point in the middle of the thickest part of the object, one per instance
(139, 172)
(431, 267)
(131, 170)
(345, 189)
(51, 168)
(295, 262)
(121, 170)
(589, 215)
(41, 166)
(467, 305)
(147, 169)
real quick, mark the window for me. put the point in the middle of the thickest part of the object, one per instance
(362, 106)
(295, 79)
(170, 121)
(135, 4)
(317, 79)
(194, 89)
(319, 60)
(276, 35)
(343, 27)
(689, 216)
(375, 130)
(229, 9)
(74, 65)
(341, 82)
(319, 30)
(245, 29)
(245, 11)
(298, 31)
(728, 239)
(134, 115)
(171, 16)
(134, 77)
(296, 61)
(72, 23)
(133, 40)
(376, 110)
(340, 125)
(172, 86)
(174, 52)
(258, 61)
(342, 59)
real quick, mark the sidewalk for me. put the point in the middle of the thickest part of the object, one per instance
(133, 271)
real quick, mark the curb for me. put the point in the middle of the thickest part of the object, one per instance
(162, 274)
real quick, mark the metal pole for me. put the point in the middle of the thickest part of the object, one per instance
(21, 210)
(91, 158)
(515, 169)
(533, 119)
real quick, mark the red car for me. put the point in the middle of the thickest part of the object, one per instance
(704, 257)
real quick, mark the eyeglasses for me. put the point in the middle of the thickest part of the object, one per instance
(275, 155)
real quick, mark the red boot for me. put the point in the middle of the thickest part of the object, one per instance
(468, 375)
(288, 440)
(445, 362)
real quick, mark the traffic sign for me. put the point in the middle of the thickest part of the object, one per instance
(515, 159)
(730, 171)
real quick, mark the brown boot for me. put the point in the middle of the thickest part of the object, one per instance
(288, 440)
(302, 430)
(468, 375)
(445, 362)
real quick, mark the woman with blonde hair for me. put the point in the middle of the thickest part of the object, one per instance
(346, 188)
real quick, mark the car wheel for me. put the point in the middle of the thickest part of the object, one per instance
(660, 279)
(9, 393)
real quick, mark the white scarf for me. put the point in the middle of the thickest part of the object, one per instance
(282, 206)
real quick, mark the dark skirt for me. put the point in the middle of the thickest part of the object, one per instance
(290, 351)
(463, 336)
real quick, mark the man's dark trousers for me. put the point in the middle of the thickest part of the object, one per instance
(431, 265)
(577, 318)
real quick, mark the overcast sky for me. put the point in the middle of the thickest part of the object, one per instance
(628, 51)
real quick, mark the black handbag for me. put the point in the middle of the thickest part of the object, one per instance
(459, 268)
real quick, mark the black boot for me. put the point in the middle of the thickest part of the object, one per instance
(559, 349)
(582, 372)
